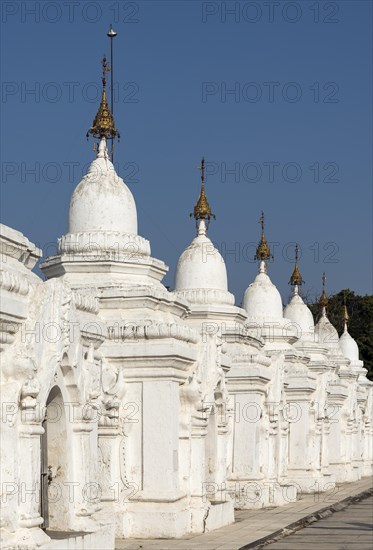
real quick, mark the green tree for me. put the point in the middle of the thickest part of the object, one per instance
(360, 326)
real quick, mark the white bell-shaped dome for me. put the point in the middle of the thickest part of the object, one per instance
(326, 333)
(348, 346)
(262, 300)
(102, 201)
(298, 312)
(201, 266)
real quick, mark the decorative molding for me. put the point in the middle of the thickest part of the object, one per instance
(252, 358)
(149, 330)
(13, 283)
(206, 296)
(85, 303)
(14, 244)
(104, 244)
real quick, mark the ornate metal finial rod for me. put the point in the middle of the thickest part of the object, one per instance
(323, 299)
(105, 69)
(296, 277)
(202, 209)
(112, 34)
(261, 221)
(263, 252)
(202, 168)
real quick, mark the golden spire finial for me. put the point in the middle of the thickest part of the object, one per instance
(263, 251)
(296, 277)
(202, 209)
(323, 298)
(103, 124)
(346, 316)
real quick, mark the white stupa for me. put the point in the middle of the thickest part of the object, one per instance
(326, 333)
(262, 301)
(347, 344)
(102, 225)
(201, 274)
(102, 201)
(296, 310)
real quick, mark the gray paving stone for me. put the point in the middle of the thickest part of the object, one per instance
(348, 529)
(253, 525)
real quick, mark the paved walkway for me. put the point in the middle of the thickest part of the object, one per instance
(254, 527)
(349, 529)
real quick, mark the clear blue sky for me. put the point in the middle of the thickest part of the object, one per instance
(301, 112)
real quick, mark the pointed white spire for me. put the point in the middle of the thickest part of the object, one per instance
(347, 344)
(102, 152)
(202, 227)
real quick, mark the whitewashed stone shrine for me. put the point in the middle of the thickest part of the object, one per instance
(129, 410)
